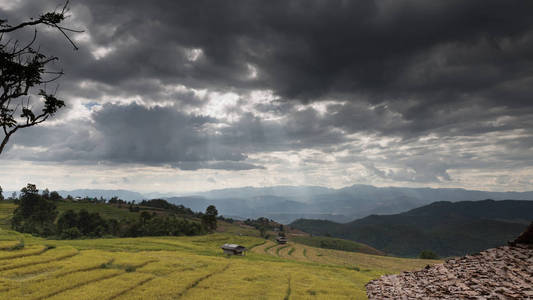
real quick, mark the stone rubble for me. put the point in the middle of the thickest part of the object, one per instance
(499, 273)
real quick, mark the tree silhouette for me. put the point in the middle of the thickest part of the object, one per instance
(23, 68)
(34, 214)
(209, 219)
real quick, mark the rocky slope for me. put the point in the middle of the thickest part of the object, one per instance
(499, 273)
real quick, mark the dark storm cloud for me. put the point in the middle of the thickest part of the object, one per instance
(435, 54)
(432, 51)
(300, 130)
(165, 136)
(393, 68)
(134, 134)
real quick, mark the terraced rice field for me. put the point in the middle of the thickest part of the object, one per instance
(6, 211)
(180, 268)
(353, 260)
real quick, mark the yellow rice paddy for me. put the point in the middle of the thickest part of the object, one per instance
(184, 268)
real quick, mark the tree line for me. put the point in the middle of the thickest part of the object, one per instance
(264, 224)
(37, 214)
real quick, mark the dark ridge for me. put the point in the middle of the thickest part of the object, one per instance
(526, 237)
(446, 228)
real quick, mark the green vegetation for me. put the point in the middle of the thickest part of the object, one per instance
(106, 211)
(163, 205)
(37, 214)
(20, 245)
(281, 248)
(25, 71)
(291, 251)
(448, 229)
(336, 244)
(209, 219)
(263, 225)
(427, 254)
(6, 213)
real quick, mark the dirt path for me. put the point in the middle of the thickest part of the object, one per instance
(199, 280)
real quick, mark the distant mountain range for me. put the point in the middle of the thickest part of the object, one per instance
(92, 193)
(106, 194)
(449, 229)
(288, 203)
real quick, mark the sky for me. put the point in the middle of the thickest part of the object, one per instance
(184, 96)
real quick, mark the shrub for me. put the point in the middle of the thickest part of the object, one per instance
(18, 246)
(428, 254)
(70, 233)
(130, 269)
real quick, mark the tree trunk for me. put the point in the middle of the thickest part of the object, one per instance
(4, 143)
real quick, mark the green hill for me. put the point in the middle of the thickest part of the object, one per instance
(335, 244)
(105, 210)
(446, 228)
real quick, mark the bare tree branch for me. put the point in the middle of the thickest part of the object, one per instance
(23, 68)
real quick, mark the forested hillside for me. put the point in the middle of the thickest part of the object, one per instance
(443, 227)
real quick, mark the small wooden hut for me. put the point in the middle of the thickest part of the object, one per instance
(234, 249)
(281, 240)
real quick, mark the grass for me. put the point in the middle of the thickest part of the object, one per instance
(15, 252)
(376, 264)
(288, 294)
(10, 245)
(280, 248)
(270, 246)
(236, 229)
(44, 257)
(291, 251)
(185, 267)
(105, 210)
(106, 289)
(335, 244)
(6, 211)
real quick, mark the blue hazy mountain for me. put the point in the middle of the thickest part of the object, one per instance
(287, 203)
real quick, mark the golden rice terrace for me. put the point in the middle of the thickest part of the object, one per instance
(183, 268)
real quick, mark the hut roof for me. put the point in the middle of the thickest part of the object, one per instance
(233, 247)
